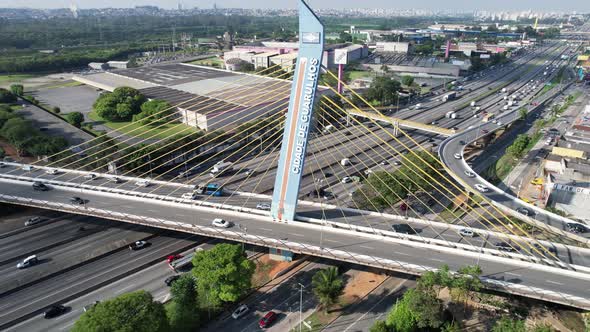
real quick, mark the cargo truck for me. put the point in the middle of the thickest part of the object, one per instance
(449, 96)
(220, 168)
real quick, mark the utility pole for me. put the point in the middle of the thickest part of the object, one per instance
(300, 305)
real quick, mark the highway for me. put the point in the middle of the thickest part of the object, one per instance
(539, 280)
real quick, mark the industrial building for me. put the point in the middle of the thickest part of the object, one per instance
(393, 47)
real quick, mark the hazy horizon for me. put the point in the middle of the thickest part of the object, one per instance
(538, 5)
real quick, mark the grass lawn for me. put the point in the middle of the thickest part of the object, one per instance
(135, 129)
(15, 78)
(63, 85)
(355, 74)
(208, 62)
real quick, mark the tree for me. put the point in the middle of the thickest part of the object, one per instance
(407, 80)
(519, 145)
(379, 326)
(327, 287)
(153, 111)
(56, 110)
(401, 318)
(383, 90)
(426, 307)
(223, 273)
(135, 311)
(183, 313)
(119, 105)
(466, 281)
(522, 113)
(6, 96)
(506, 324)
(75, 119)
(17, 89)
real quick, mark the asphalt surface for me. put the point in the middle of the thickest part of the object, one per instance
(511, 271)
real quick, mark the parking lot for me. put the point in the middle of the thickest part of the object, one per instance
(69, 99)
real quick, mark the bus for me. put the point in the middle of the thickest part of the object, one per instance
(212, 189)
(488, 117)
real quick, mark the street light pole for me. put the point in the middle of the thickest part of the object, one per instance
(300, 305)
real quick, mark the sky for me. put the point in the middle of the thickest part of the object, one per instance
(545, 5)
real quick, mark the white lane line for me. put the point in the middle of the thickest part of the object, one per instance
(266, 229)
(300, 235)
(328, 240)
(366, 247)
(554, 282)
(514, 274)
(402, 254)
(124, 289)
(436, 260)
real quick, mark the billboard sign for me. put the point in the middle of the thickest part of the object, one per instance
(340, 56)
(299, 115)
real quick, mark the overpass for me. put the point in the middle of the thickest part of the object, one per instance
(396, 122)
(302, 227)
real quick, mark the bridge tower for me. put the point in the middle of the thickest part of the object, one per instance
(298, 121)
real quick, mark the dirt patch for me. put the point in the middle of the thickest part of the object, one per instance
(10, 151)
(359, 285)
(266, 268)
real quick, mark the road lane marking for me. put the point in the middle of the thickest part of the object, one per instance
(514, 274)
(328, 240)
(266, 229)
(554, 282)
(402, 254)
(124, 288)
(436, 260)
(366, 247)
(300, 235)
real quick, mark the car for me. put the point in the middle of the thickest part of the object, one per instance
(575, 228)
(191, 195)
(218, 222)
(28, 262)
(434, 123)
(76, 200)
(537, 181)
(33, 221)
(462, 142)
(430, 140)
(142, 183)
(541, 248)
(481, 188)
(54, 311)
(470, 174)
(466, 232)
(504, 246)
(457, 156)
(403, 228)
(28, 168)
(90, 176)
(526, 200)
(485, 131)
(2, 165)
(40, 186)
(328, 196)
(137, 245)
(263, 206)
(52, 171)
(172, 258)
(384, 162)
(90, 306)
(494, 121)
(499, 123)
(248, 171)
(115, 179)
(524, 211)
(396, 163)
(267, 320)
(171, 279)
(346, 179)
(240, 311)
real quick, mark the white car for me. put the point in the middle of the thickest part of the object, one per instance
(466, 232)
(457, 156)
(29, 261)
(51, 171)
(142, 183)
(218, 222)
(90, 176)
(481, 188)
(346, 179)
(470, 174)
(240, 311)
(115, 179)
(192, 195)
(263, 206)
(499, 123)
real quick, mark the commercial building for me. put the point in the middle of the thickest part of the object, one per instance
(118, 64)
(393, 47)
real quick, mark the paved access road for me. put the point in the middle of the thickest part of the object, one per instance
(536, 276)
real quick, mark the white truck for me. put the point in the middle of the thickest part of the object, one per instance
(504, 90)
(345, 162)
(472, 103)
(220, 168)
(451, 115)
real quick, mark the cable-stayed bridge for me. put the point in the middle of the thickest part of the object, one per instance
(345, 193)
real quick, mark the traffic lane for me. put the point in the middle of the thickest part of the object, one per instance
(67, 255)
(361, 245)
(14, 223)
(55, 290)
(150, 279)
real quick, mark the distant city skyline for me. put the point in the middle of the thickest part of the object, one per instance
(435, 5)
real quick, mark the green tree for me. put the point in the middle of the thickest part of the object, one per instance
(517, 148)
(75, 119)
(401, 318)
(506, 324)
(55, 109)
(542, 328)
(379, 326)
(383, 90)
(327, 287)
(522, 113)
(6, 96)
(130, 312)
(465, 282)
(426, 307)
(183, 312)
(407, 80)
(153, 111)
(17, 89)
(119, 105)
(223, 273)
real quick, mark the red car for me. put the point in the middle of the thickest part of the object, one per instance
(267, 320)
(173, 258)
